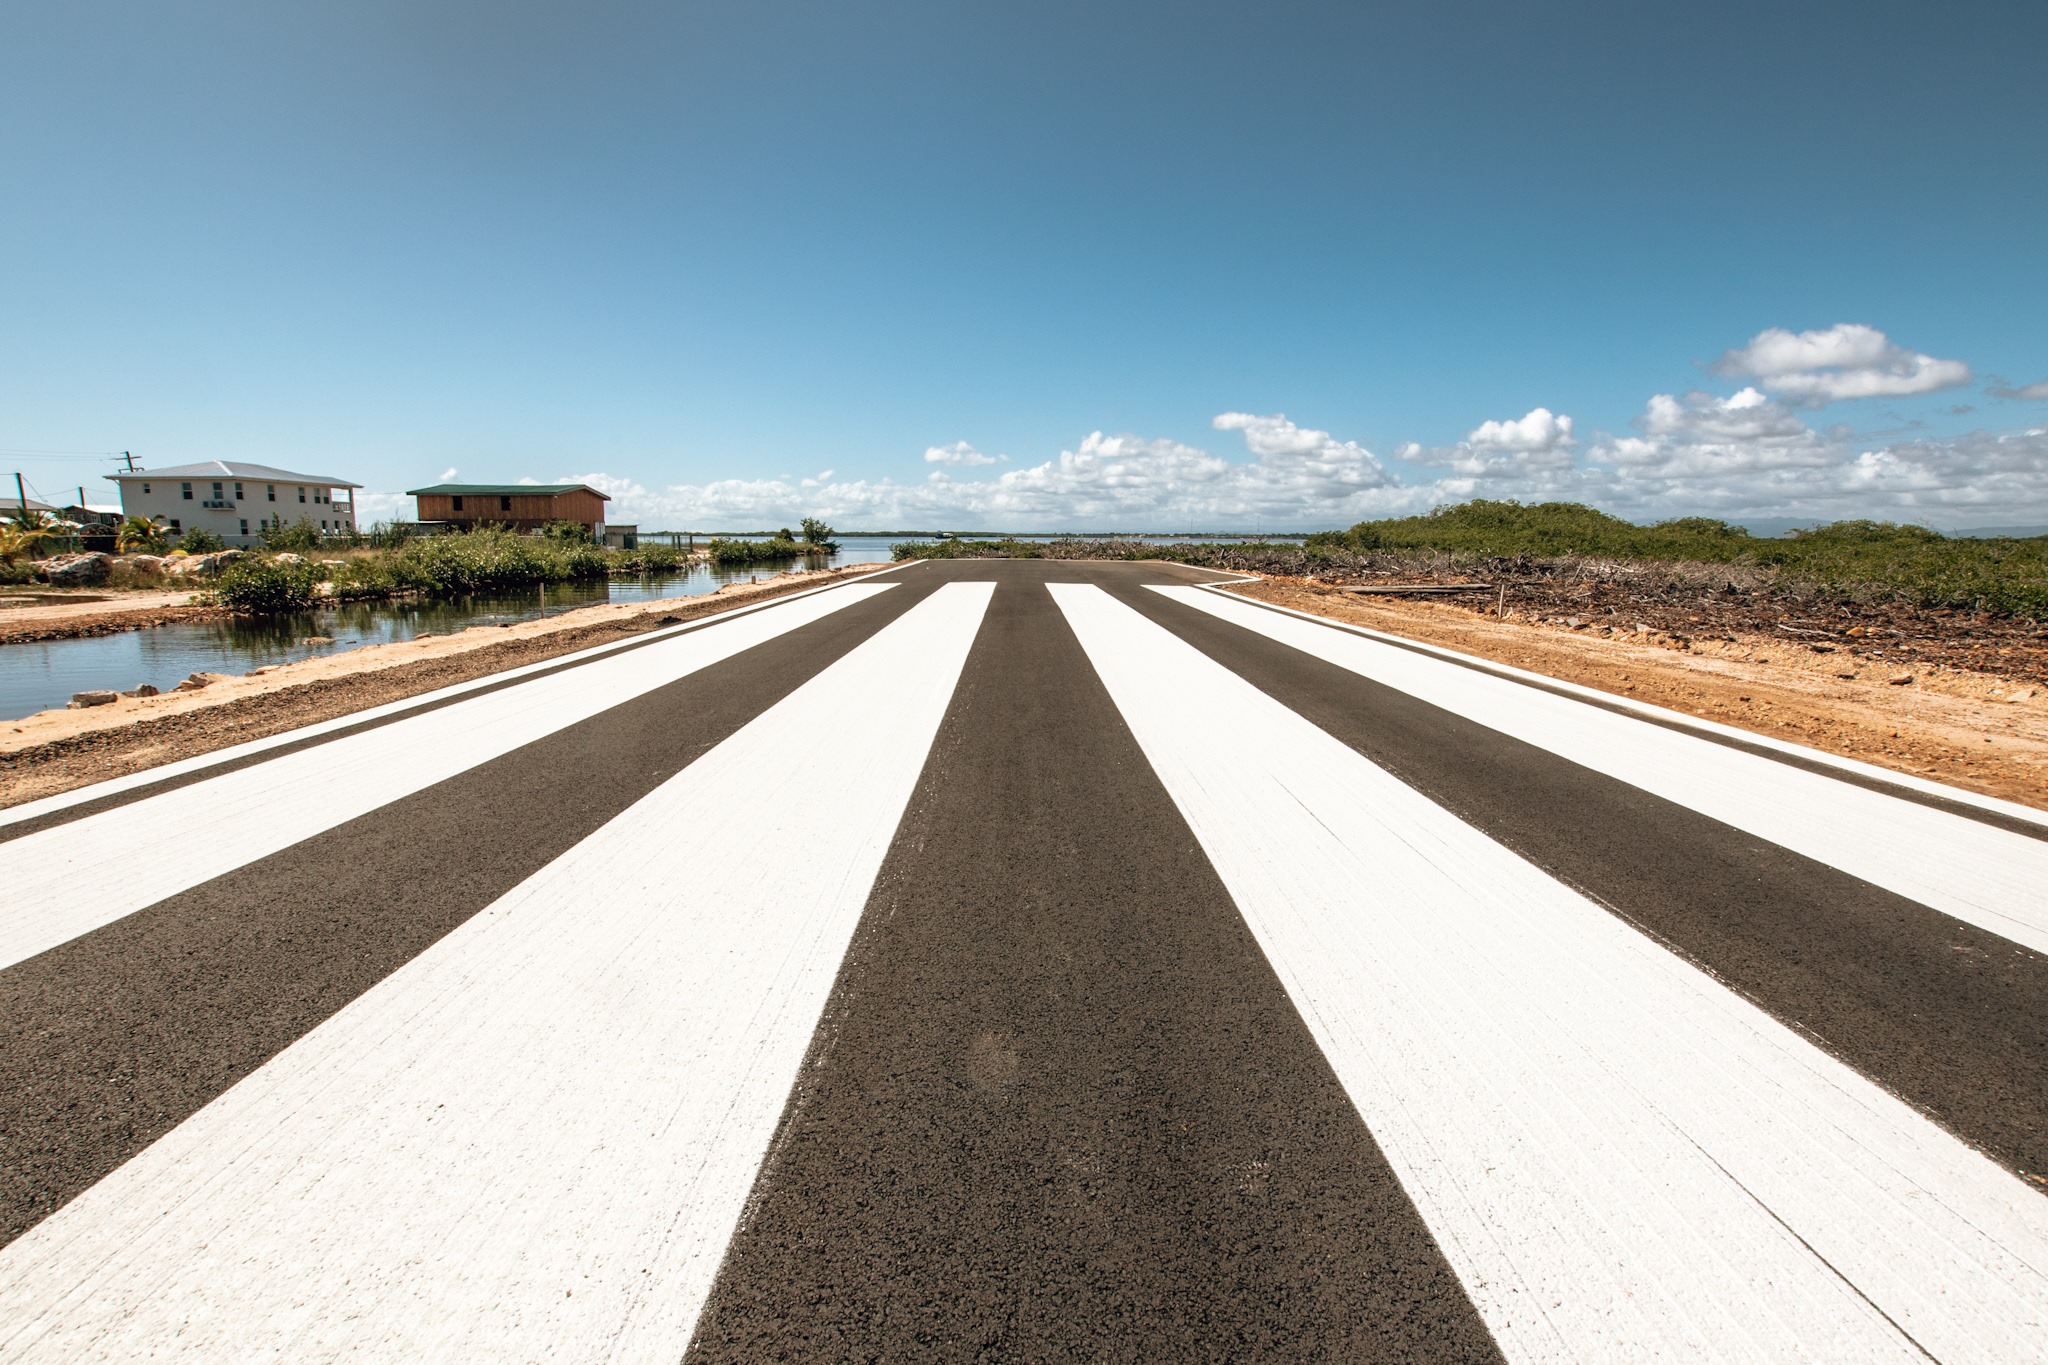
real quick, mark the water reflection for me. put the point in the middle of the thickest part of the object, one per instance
(36, 677)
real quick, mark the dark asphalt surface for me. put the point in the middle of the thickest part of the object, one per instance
(1060, 1106)
(1947, 1016)
(112, 1039)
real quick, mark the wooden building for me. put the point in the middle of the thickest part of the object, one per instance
(521, 506)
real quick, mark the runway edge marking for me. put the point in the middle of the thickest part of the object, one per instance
(102, 867)
(115, 786)
(535, 1138)
(1620, 1157)
(1852, 769)
(1992, 878)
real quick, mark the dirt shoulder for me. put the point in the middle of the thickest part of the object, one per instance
(55, 751)
(24, 619)
(1983, 731)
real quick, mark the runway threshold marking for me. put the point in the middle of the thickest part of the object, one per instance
(102, 867)
(543, 1128)
(1620, 1157)
(1975, 872)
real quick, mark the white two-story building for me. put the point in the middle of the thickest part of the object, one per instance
(236, 501)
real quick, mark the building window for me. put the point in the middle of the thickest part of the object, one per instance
(216, 492)
(175, 528)
(238, 492)
(504, 504)
(245, 526)
(302, 495)
(185, 491)
(458, 503)
(145, 488)
(270, 492)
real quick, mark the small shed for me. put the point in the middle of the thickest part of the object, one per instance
(520, 506)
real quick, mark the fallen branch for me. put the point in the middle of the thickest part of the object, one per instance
(1415, 589)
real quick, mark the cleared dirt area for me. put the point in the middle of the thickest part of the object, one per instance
(1984, 729)
(25, 618)
(55, 751)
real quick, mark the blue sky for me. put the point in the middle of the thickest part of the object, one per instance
(1053, 265)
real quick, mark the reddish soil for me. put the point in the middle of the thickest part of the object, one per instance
(1941, 695)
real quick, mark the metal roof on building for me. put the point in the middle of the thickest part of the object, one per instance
(500, 490)
(233, 469)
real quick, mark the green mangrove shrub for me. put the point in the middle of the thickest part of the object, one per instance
(263, 587)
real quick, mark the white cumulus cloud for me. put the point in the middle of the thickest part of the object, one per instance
(1539, 431)
(1750, 453)
(960, 453)
(372, 507)
(1847, 360)
(1531, 452)
(1294, 454)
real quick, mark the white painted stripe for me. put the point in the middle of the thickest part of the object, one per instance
(1699, 725)
(534, 1140)
(1622, 1159)
(178, 839)
(114, 786)
(1993, 878)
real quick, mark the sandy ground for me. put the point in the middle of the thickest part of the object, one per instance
(1978, 731)
(1975, 730)
(54, 751)
(48, 616)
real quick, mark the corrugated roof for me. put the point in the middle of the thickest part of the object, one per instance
(500, 490)
(233, 469)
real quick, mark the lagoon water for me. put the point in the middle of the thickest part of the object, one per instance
(37, 677)
(40, 676)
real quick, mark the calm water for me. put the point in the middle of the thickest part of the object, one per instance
(37, 677)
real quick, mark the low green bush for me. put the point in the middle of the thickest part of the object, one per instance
(781, 548)
(262, 587)
(648, 559)
(953, 547)
(300, 537)
(1914, 563)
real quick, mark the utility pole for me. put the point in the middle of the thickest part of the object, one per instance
(131, 461)
(21, 495)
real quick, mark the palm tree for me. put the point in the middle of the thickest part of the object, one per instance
(28, 532)
(142, 534)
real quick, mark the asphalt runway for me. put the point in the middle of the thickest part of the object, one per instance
(1016, 960)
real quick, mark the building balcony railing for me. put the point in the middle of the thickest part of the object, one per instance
(216, 504)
